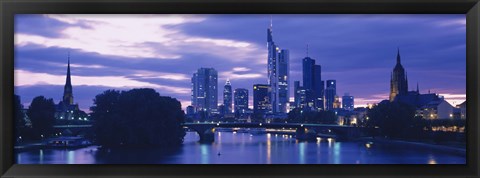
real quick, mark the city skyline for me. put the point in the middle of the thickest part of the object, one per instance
(244, 63)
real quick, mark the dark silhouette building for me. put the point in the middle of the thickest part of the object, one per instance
(67, 109)
(398, 80)
(312, 84)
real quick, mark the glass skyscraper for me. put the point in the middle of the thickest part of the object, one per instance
(205, 90)
(278, 74)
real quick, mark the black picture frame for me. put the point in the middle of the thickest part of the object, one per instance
(9, 8)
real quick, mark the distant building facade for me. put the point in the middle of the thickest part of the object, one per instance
(330, 93)
(261, 99)
(241, 100)
(348, 102)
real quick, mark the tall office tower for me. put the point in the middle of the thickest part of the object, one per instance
(283, 80)
(398, 80)
(278, 73)
(348, 102)
(261, 99)
(330, 93)
(241, 100)
(227, 97)
(205, 90)
(313, 84)
(308, 65)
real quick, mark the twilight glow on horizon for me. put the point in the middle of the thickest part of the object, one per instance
(163, 51)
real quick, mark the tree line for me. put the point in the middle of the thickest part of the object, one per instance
(137, 117)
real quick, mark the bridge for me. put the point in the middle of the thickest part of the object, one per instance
(206, 130)
(73, 129)
(303, 131)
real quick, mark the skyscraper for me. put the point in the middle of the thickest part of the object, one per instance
(348, 102)
(313, 84)
(261, 98)
(330, 93)
(308, 65)
(205, 90)
(398, 80)
(241, 100)
(227, 97)
(283, 80)
(278, 74)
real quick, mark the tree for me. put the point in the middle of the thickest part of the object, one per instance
(138, 117)
(42, 115)
(394, 119)
(19, 117)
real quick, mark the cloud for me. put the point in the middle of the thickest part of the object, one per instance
(26, 78)
(239, 73)
(144, 74)
(240, 69)
(138, 37)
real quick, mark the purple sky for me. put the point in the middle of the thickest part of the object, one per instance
(163, 51)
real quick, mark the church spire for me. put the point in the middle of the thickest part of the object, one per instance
(67, 92)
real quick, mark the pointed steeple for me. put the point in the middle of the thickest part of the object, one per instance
(69, 80)
(418, 91)
(67, 92)
(398, 55)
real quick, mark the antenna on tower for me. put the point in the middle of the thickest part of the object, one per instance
(307, 49)
(271, 22)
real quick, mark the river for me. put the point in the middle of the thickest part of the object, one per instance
(245, 148)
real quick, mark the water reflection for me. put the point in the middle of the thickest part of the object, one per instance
(244, 148)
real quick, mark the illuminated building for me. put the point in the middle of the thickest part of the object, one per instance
(205, 90)
(227, 97)
(278, 74)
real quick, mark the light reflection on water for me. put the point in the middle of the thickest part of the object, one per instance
(244, 148)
